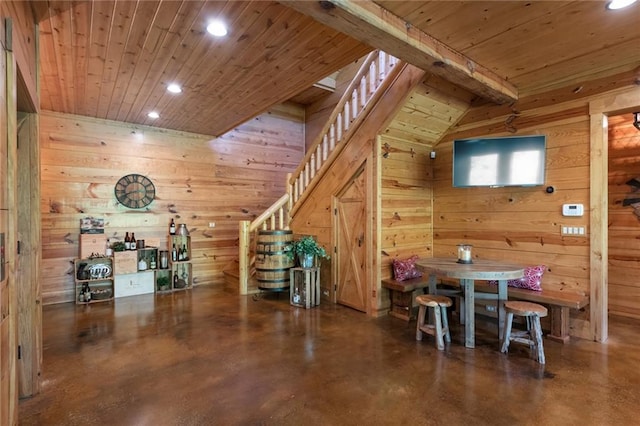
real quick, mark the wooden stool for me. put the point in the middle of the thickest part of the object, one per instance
(458, 295)
(532, 336)
(441, 328)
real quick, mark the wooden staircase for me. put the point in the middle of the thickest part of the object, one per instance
(239, 276)
(373, 78)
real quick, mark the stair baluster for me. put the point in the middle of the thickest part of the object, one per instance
(376, 71)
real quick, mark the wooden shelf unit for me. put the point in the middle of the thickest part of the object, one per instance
(97, 272)
(180, 272)
(304, 288)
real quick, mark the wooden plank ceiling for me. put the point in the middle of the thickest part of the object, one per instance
(536, 45)
(114, 59)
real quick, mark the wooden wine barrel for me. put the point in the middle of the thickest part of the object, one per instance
(272, 262)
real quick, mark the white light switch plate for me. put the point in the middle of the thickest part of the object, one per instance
(574, 231)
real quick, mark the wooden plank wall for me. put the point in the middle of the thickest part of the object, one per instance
(18, 70)
(406, 210)
(315, 216)
(27, 277)
(624, 221)
(8, 405)
(198, 180)
(24, 47)
(523, 224)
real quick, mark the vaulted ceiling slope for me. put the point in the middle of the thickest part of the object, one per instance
(114, 59)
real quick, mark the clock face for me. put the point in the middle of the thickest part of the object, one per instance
(135, 191)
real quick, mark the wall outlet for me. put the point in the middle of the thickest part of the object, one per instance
(212, 224)
(574, 231)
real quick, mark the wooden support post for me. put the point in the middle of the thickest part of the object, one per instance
(559, 317)
(244, 241)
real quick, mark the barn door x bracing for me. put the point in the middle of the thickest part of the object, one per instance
(350, 243)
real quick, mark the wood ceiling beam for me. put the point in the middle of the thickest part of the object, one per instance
(369, 23)
(40, 10)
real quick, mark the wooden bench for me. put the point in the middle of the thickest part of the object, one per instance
(558, 302)
(401, 295)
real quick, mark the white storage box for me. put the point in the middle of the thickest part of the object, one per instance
(134, 284)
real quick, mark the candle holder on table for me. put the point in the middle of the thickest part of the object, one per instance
(464, 253)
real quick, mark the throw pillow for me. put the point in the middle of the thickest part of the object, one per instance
(532, 279)
(405, 269)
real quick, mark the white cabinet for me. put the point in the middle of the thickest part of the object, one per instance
(133, 284)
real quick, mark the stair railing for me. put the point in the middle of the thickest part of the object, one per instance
(276, 217)
(374, 76)
(367, 86)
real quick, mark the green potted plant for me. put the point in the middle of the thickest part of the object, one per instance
(163, 283)
(118, 246)
(306, 250)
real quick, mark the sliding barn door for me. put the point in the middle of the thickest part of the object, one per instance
(350, 248)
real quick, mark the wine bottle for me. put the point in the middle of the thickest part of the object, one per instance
(172, 228)
(185, 256)
(152, 262)
(142, 264)
(175, 280)
(174, 253)
(127, 242)
(87, 293)
(180, 255)
(108, 251)
(132, 244)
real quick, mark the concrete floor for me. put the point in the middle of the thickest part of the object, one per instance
(204, 357)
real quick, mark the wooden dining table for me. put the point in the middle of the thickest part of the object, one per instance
(467, 273)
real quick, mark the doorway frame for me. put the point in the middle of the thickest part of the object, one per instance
(371, 277)
(599, 111)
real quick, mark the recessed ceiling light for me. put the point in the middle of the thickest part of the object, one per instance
(217, 28)
(619, 4)
(153, 114)
(174, 88)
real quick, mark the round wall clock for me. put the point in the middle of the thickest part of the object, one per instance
(135, 191)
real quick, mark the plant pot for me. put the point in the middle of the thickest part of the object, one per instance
(306, 260)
